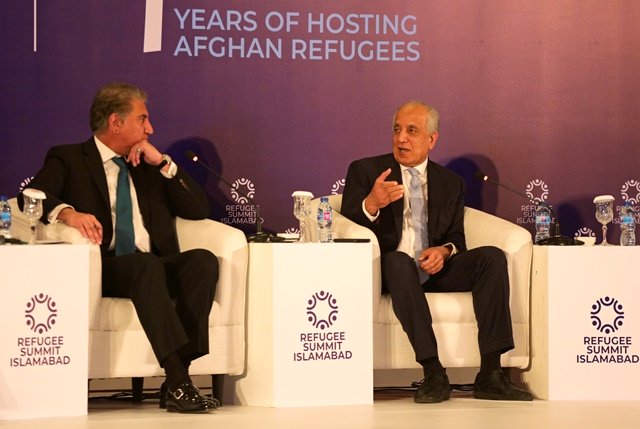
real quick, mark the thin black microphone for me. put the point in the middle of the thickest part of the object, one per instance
(557, 239)
(259, 236)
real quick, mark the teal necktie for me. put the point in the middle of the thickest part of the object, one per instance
(419, 218)
(125, 238)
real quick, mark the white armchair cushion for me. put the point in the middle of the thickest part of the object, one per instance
(118, 345)
(454, 320)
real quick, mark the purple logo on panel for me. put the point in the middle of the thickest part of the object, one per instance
(41, 313)
(607, 315)
(584, 232)
(337, 187)
(43, 350)
(537, 190)
(24, 183)
(244, 212)
(238, 195)
(322, 310)
(631, 191)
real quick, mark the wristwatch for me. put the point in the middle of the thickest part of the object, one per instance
(166, 159)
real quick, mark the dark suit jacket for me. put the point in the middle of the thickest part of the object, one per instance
(445, 206)
(74, 174)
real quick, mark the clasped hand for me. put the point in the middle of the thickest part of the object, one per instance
(432, 260)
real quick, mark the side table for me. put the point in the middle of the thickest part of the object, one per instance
(309, 325)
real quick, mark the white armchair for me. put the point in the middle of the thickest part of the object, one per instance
(453, 317)
(118, 347)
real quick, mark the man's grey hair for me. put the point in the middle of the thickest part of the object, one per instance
(433, 117)
(116, 98)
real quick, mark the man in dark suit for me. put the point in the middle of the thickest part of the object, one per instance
(416, 208)
(120, 192)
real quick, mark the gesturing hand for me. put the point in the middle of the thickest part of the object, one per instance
(383, 193)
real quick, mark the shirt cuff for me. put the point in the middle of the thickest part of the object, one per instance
(453, 248)
(53, 214)
(366, 213)
(171, 171)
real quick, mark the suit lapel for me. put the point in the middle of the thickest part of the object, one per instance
(435, 196)
(96, 169)
(397, 206)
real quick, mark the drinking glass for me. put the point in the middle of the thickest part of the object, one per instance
(604, 213)
(33, 209)
(302, 210)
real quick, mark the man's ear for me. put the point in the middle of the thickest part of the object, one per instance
(114, 123)
(434, 140)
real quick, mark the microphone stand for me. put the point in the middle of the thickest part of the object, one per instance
(259, 236)
(557, 239)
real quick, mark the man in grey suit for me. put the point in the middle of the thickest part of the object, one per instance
(120, 192)
(416, 209)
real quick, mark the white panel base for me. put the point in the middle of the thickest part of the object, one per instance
(574, 357)
(309, 325)
(44, 338)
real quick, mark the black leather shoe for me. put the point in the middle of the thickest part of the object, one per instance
(186, 398)
(211, 402)
(433, 389)
(498, 386)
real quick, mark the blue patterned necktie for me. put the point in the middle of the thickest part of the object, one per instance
(125, 238)
(418, 218)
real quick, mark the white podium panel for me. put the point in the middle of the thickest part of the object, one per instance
(44, 337)
(309, 325)
(585, 323)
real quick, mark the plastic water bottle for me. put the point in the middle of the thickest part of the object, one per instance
(325, 218)
(627, 225)
(543, 222)
(5, 217)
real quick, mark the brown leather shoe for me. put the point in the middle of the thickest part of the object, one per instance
(433, 389)
(498, 386)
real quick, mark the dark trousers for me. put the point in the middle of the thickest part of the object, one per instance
(483, 271)
(172, 296)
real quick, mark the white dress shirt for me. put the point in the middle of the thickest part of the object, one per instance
(111, 170)
(408, 238)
